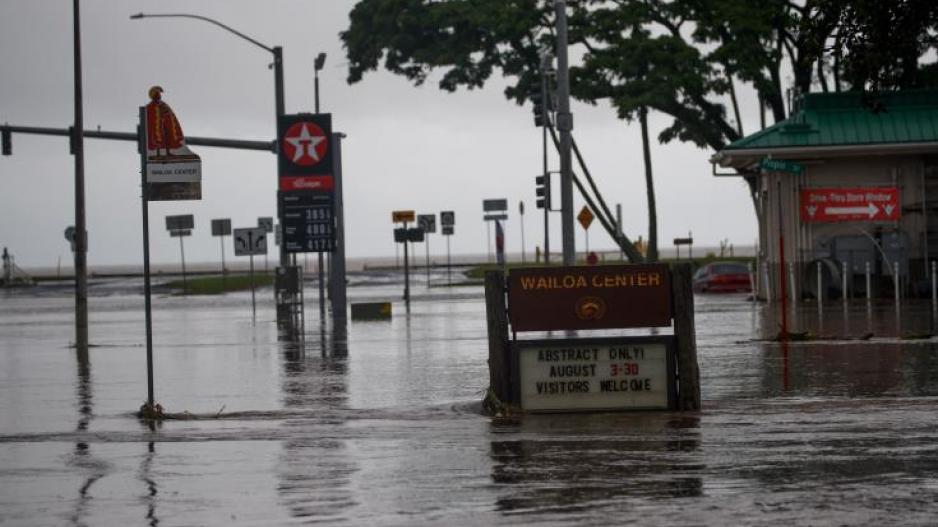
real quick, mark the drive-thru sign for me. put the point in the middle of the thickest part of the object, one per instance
(850, 204)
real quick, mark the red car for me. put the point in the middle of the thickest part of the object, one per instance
(722, 277)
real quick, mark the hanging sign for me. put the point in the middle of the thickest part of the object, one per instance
(850, 204)
(173, 172)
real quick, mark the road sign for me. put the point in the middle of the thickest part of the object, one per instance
(173, 172)
(410, 234)
(494, 205)
(308, 221)
(221, 227)
(585, 217)
(402, 216)
(250, 241)
(427, 222)
(447, 230)
(180, 222)
(180, 233)
(447, 217)
(70, 234)
(266, 222)
(493, 217)
(781, 165)
(683, 241)
(850, 204)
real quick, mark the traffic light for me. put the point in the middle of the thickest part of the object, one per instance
(540, 114)
(543, 191)
(7, 141)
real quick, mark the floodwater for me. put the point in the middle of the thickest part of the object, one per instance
(380, 425)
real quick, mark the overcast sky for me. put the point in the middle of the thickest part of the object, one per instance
(406, 147)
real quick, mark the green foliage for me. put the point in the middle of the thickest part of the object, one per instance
(216, 285)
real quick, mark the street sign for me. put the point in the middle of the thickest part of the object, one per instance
(494, 205)
(402, 216)
(307, 221)
(250, 241)
(427, 222)
(683, 241)
(447, 230)
(173, 172)
(180, 222)
(447, 217)
(267, 223)
(585, 217)
(781, 165)
(850, 204)
(410, 234)
(180, 233)
(493, 217)
(305, 152)
(221, 227)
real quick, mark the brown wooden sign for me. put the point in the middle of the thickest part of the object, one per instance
(614, 296)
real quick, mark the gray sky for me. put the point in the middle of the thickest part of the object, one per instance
(407, 147)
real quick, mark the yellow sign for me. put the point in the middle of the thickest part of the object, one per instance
(585, 217)
(402, 216)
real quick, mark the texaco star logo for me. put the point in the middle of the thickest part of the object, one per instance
(305, 144)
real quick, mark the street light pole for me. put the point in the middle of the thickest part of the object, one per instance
(317, 65)
(277, 53)
(565, 125)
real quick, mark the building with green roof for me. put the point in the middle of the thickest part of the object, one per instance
(850, 180)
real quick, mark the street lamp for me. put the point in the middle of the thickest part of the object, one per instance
(317, 65)
(276, 51)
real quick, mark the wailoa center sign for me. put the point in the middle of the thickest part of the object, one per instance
(173, 172)
(594, 373)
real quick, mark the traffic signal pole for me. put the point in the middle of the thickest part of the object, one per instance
(545, 58)
(565, 125)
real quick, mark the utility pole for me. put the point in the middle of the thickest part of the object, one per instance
(81, 232)
(545, 94)
(565, 125)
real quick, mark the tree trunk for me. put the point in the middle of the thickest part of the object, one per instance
(652, 255)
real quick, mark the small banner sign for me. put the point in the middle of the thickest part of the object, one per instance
(402, 216)
(609, 296)
(173, 172)
(850, 204)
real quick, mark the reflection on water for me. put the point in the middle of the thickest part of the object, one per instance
(82, 456)
(314, 473)
(146, 477)
(566, 463)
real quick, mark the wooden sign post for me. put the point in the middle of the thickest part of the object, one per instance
(646, 372)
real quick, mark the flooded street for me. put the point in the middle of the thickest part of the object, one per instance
(381, 425)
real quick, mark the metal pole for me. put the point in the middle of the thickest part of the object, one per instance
(253, 301)
(565, 125)
(426, 243)
(766, 281)
(820, 278)
(406, 271)
(337, 261)
(869, 289)
(521, 207)
(934, 287)
(843, 286)
(791, 282)
(449, 274)
(619, 230)
(81, 233)
(782, 295)
(279, 109)
(547, 199)
(182, 254)
(488, 238)
(145, 212)
(320, 270)
(224, 272)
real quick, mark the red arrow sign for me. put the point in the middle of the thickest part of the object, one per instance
(849, 204)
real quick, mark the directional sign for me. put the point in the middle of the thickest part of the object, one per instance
(447, 217)
(249, 241)
(781, 165)
(180, 222)
(585, 217)
(850, 204)
(267, 223)
(305, 153)
(180, 233)
(221, 227)
(402, 216)
(494, 205)
(427, 222)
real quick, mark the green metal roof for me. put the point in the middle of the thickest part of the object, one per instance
(843, 119)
